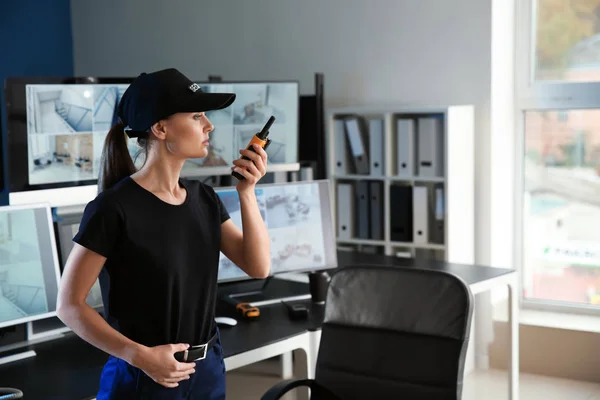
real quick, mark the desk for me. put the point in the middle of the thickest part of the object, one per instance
(273, 334)
(69, 368)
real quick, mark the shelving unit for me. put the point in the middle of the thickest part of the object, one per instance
(452, 185)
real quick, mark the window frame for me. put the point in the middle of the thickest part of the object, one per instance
(539, 96)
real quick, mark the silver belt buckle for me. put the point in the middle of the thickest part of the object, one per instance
(205, 347)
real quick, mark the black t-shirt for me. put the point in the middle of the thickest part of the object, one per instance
(160, 278)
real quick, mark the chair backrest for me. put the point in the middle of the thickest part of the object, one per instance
(394, 333)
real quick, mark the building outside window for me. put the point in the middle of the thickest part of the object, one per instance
(558, 203)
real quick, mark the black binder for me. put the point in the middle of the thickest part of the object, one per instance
(363, 228)
(376, 209)
(401, 213)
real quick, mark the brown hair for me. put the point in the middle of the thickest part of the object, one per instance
(116, 162)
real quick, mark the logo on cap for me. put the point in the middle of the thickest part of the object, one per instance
(194, 87)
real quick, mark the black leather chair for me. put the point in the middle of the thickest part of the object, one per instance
(391, 333)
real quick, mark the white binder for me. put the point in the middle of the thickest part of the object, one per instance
(345, 208)
(376, 146)
(420, 215)
(339, 137)
(431, 147)
(405, 146)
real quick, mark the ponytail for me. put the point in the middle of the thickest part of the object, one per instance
(115, 163)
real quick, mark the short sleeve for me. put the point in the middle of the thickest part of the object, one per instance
(101, 225)
(208, 192)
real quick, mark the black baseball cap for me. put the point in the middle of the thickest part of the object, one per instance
(157, 95)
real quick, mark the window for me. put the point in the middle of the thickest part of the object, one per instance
(561, 207)
(557, 238)
(562, 116)
(567, 40)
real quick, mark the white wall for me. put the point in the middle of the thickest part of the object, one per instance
(420, 51)
(371, 51)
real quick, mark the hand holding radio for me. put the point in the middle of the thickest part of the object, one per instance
(253, 164)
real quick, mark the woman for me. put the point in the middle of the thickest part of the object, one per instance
(153, 239)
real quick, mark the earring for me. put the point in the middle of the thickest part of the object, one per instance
(170, 146)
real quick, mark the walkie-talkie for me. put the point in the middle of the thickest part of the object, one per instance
(261, 139)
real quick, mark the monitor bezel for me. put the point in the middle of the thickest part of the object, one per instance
(50, 226)
(328, 238)
(72, 193)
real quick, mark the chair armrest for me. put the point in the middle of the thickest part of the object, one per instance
(281, 388)
(9, 393)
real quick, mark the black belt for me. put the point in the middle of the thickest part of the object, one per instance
(197, 352)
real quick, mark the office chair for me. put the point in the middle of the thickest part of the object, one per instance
(390, 333)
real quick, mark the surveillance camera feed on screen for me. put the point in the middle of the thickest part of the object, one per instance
(294, 216)
(67, 125)
(253, 106)
(66, 128)
(28, 273)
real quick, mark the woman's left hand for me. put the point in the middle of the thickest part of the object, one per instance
(252, 169)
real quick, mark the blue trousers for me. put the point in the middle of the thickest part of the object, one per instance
(120, 380)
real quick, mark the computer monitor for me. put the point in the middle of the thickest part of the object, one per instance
(29, 270)
(66, 229)
(299, 220)
(255, 103)
(56, 131)
(57, 128)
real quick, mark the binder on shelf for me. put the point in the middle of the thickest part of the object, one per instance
(420, 214)
(404, 254)
(430, 254)
(376, 147)
(358, 148)
(376, 209)
(341, 155)
(430, 147)
(345, 215)
(405, 146)
(401, 213)
(436, 214)
(362, 210)
(346, 247)
(371, 249)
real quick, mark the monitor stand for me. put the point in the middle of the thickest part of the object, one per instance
(17, 357)
(14, 339)
(12, 351)
(262, 292)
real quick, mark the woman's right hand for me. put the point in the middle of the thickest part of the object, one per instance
(159, 363)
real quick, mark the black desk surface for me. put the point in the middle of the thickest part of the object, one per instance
(69, 368)
(469, 273)
(63, 369)
(273, 325)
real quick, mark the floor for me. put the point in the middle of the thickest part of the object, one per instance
(59, 173)
(252, 381)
